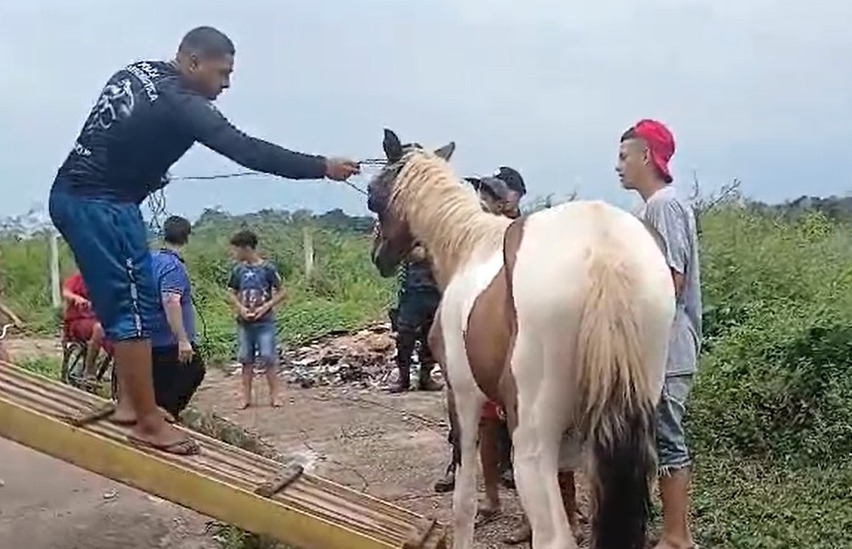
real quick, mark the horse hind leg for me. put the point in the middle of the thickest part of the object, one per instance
(468, 407)
(537, 439)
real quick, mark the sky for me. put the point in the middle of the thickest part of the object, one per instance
(757, 90)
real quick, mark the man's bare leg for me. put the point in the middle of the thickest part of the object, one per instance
(490, 458)
(93, 348)
(137, 404)
(674, 493)
(490, 463)
(248, 377)
(274, 385)
(569, 500)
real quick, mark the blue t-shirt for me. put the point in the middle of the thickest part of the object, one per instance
(254, 285)
(144, 120)
(171, 277)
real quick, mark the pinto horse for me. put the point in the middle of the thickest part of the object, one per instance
(562, 316)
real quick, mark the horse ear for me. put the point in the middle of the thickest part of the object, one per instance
(446, 151)
(392, 146)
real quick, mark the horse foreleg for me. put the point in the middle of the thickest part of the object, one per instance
(468, 409)
(537, 438)
(535, 467)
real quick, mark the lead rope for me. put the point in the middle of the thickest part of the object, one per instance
(158, 208)
(246, 173)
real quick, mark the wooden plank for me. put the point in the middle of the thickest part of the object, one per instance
(301, 510)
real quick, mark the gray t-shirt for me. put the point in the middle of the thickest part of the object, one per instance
(674, 221)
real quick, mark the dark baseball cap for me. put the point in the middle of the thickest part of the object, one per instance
(492, 185)
(512, 179)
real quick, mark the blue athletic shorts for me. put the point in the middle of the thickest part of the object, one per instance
(109, 241)
(257, 344)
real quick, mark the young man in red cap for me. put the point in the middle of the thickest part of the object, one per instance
(643, 159)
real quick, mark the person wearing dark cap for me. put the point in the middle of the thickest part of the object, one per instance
(643, 166)
(499, 194)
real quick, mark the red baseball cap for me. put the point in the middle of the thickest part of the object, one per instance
(661, 144)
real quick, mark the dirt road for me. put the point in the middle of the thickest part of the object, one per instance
(392, 447)
(47, 504)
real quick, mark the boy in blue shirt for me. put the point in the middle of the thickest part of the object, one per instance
(256, 288)
(177, 367)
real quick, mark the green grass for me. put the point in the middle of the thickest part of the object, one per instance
(740, 503)
(770, 417)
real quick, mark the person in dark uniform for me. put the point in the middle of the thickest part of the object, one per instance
(417, 301)
(146, 117)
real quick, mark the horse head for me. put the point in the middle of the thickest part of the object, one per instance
(392, 238)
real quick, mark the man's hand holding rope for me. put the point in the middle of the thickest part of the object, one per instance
(341, 169)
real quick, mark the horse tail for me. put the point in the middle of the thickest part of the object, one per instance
(616, 406)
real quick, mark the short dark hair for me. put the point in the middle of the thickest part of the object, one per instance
(176, 230)
(244, 239)
(628, 135)
(206, 42)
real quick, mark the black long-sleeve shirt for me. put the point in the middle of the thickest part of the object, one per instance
(145, 119)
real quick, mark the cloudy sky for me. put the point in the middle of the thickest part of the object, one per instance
(753, 89)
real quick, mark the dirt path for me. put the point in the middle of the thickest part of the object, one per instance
(391, 446)
(48, 504)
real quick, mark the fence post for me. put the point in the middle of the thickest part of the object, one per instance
(54, 268)
(308, 246)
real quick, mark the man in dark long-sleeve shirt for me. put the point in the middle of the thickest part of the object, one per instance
(147, 116)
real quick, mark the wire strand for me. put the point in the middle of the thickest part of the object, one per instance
(247, 173)
(159, 210)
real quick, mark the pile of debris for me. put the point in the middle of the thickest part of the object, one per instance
(363, 359)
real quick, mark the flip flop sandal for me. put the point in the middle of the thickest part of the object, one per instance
(185, 447)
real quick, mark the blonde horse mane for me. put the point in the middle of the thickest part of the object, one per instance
(444, 214)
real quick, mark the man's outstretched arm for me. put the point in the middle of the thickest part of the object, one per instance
(201, 119)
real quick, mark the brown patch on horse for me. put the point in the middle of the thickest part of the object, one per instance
(491, 326)
(508, 389)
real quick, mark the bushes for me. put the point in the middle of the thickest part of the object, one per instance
(787, 397)
(344, 292)
(776, 376)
